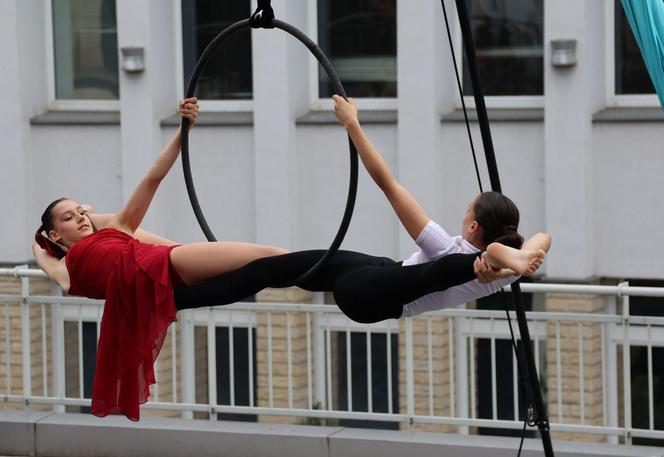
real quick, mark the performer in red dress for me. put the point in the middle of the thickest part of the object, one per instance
(135, 272)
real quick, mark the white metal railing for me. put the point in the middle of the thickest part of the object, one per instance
(578, 356)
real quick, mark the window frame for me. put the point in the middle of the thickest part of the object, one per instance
(614, 100)
(326, 104)
(55, 104)
(491, 101)
(214, 106)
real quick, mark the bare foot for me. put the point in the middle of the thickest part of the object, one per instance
(522, 262)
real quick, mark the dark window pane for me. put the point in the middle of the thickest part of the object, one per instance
(631, 73)
(85, 49)
(509, 36)
(360, 38)
(228, 73)
(240, 370)
(379, 378)
(641, 395)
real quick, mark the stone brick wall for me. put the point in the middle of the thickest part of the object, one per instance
(570, 365)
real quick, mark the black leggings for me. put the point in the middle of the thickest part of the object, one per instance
(366, 288)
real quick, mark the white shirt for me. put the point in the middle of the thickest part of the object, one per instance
(434, 242)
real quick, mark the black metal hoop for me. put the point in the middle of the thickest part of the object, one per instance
(334, 78)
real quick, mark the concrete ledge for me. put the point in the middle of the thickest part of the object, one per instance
(17, 431)
(83, 435)
(498, 115)
(77, 118)
(366, 117)
(372, 443)
(219, 118)
(629, 115)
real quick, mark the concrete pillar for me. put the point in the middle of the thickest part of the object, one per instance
(426, 88)
(149, 96)
(280, 69)
(440, 370)
(23, 79)
(298, 344)
(568, 134)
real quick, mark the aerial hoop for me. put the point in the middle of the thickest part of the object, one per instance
(261, 19)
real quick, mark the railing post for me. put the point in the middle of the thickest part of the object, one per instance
(410, 382)
(187, 360)
(58, 349)
(461, 356)
(319, 354)
(627, 366)
(25, 338)
(611, 369)
(212, 365)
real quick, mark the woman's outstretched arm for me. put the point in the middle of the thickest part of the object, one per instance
(410, 212)
(131, 215)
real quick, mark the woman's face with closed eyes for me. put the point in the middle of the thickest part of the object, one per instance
(70, 223)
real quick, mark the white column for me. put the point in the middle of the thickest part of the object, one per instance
(425, 90)
(571, 96)
(149, 96)
(23, 81)
(279, 76)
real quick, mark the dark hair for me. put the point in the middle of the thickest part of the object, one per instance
(498, 217)
(46, 226)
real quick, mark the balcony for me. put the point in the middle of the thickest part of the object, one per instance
(273, 378)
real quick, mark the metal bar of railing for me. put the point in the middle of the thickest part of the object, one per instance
(251, 331)
(174, 374)
(212, 366)
(349, 374)
(451, 364)
(627, 371)
(231, 356)
(8, 351)
(269, 360)
(471, 364)
(289, 358)
(310, 402)
(430, 364)
(25, 338)
(494, 381)
(369, 372)
(559, 381)
(651, 401)
(390, 401)
(582, 384)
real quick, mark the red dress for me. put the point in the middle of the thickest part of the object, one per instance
(136, 279)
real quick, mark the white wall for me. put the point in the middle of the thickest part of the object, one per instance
(594, 186)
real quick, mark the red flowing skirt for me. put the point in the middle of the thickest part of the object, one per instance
(138, 311)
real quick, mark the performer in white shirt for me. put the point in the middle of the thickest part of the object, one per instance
(446, 271)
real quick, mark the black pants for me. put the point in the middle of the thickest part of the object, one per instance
(366, 288)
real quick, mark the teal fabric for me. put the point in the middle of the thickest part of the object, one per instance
(646, 17)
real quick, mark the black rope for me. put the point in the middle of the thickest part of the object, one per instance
(529, 366)
(338, 87)
(463, 102)
(263, 16)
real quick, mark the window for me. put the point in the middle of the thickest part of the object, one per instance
(631, 75)
(509, 37)
(641, 399)
(380, 384)
(360, 39)
(241, 371)
(85, 54)
(228, 74)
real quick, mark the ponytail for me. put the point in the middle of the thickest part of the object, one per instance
(498, 217)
